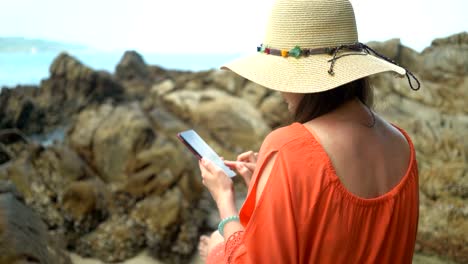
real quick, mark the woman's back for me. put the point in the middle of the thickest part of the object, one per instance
(336, 194)
(369, 160)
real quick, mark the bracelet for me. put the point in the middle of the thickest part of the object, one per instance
(225, 221)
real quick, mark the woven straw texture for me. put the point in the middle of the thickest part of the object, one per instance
(309, 24)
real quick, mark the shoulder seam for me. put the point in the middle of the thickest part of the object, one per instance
(285, 144)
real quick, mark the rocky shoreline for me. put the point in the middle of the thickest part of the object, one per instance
(120, 183)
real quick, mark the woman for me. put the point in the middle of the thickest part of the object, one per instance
(340, 185)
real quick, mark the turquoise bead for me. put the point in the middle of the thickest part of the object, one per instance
(295, 52)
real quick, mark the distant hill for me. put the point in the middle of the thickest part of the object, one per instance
(19, 44)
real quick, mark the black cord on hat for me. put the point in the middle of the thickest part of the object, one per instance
(368, 50)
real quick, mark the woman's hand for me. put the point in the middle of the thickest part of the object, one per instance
(245, 165)
(218, 183)
(249, 156)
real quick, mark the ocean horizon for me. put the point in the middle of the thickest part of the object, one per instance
(29, 68)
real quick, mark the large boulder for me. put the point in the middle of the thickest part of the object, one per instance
(253, 93)
(132, 66)
(59, 186)
(133, 72)
(231, 125)
(23, 234)
(399, 53)
(19, 109)
(153, 179)
(109, 138)
(42, 175)
(275, 110)
(120, 143)
(225, 80)
(70, 87)
(436, 118)
(117, 239)
(445, 60)
(270, 103)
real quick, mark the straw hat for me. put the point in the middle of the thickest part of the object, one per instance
(311, 46)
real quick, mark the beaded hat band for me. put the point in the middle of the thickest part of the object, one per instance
(327, 30)
(295, 52)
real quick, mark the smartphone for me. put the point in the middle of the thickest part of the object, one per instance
(202, 150)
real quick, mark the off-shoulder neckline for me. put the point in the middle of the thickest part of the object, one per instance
(389, 194)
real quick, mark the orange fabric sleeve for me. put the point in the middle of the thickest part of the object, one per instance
(270, 236)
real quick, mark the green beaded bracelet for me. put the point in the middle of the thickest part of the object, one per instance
(225, 221)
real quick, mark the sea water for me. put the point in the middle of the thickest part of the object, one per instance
(31, 68)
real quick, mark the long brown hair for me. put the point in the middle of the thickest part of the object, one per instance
(313, 105)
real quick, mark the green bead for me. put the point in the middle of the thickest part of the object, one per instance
(295, 52)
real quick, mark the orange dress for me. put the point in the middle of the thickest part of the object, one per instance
(305, 214)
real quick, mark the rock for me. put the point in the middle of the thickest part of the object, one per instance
(81, 138)
(150, 180)
(254, 93)
(122, 145)
(23, 235)
(108, 137)
(69, 68)
(439, 94)
(162, 88)
(71, 87)
(275, 110)
(59, 166)
(20, 110)
(152, 177)
(428, 259)
(394, 50)
(135, 75)
(166, 122)
(445, 61)
(159, 225)
(178, 221)
(158, 74)
(191, 187)
(225, 80)
(231, 125)
(443, 220)
(232, 122)
(132, 66)
(436, 119)
(42, 175)
(12, 142)
(85, 204)
(9, 187)
(117, 239)
(124, 133)
(75, 85)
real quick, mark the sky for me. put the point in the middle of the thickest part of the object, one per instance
(211, 26)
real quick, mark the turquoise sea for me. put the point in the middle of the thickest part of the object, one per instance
(29, 68)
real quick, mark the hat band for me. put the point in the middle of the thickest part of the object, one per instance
(357, 48)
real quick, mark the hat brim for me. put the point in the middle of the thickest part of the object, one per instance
(308, 74)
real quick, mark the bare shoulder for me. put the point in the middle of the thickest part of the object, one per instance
(391, 132)
(331, 133)
(368, 160)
